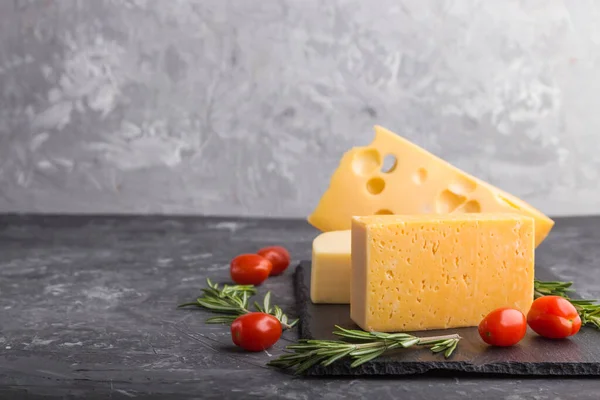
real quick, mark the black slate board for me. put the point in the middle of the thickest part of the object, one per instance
(534, 355)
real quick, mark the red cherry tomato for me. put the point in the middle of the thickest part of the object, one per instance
(503, 327)
(279, 257)
(554, 317)
(255, 331)
(250, 269)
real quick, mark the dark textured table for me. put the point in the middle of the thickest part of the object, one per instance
(88, 309)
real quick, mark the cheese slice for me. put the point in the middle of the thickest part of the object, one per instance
(417, 183)
(424, 272)
(331, 268)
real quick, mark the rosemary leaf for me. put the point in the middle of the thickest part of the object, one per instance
(394, 345)
(194, 303)
(381, 335)
(352, 334)
(221, 320)
(258, 307)
(291, 356)
(309, 362)
(213, 306)
(367, 357)
(444, 343)
(327, 352)
(210, 292)
(394, 336)
(450, 349)
(410, 342)
(267, 303)
(278, 312)
(336, 357)
(308, 346)
(437, 349)
(363, 351)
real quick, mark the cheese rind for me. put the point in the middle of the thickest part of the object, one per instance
(425, 272)
(417, 183)
(331, 270)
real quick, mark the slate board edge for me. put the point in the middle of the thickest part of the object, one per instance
(379, 368)
(302, 295)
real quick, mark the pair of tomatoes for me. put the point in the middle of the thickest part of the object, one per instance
(254, 269)
(553, 317)
(257, 331)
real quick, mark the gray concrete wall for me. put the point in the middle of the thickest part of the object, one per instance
(245, 106)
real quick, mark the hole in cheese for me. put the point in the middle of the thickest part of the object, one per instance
(384, 211)
(448, 201)
(462, 185)
(420, 176)
(389, 164)
(472, 206)
(375, 185)
(366, 162)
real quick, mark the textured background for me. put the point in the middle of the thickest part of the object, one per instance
(245, 107)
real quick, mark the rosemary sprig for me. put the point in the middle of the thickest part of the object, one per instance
(551, 288)
(589, 310)
(358, 346)
(234, 300)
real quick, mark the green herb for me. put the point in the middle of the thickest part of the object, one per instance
(233, 301)
(551, 288)
(367, 346)
(589, 310)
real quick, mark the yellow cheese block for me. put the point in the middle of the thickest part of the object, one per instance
(417, 183)
(331, 268)
(424, 272)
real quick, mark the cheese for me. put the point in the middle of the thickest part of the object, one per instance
(331, 269)
(417, 182)
(424, 272)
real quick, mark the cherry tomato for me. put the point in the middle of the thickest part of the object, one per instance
(279, 257)
(503, 327)
(255, 331)
(553, 317)
(250, 269)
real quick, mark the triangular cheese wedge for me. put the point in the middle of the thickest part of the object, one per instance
(417, 183)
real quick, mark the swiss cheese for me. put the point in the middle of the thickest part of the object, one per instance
(424, 272)
(331, 269)
(416, 183)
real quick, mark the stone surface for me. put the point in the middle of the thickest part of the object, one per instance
(87, 309)
(213, 106)
(579, 356)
